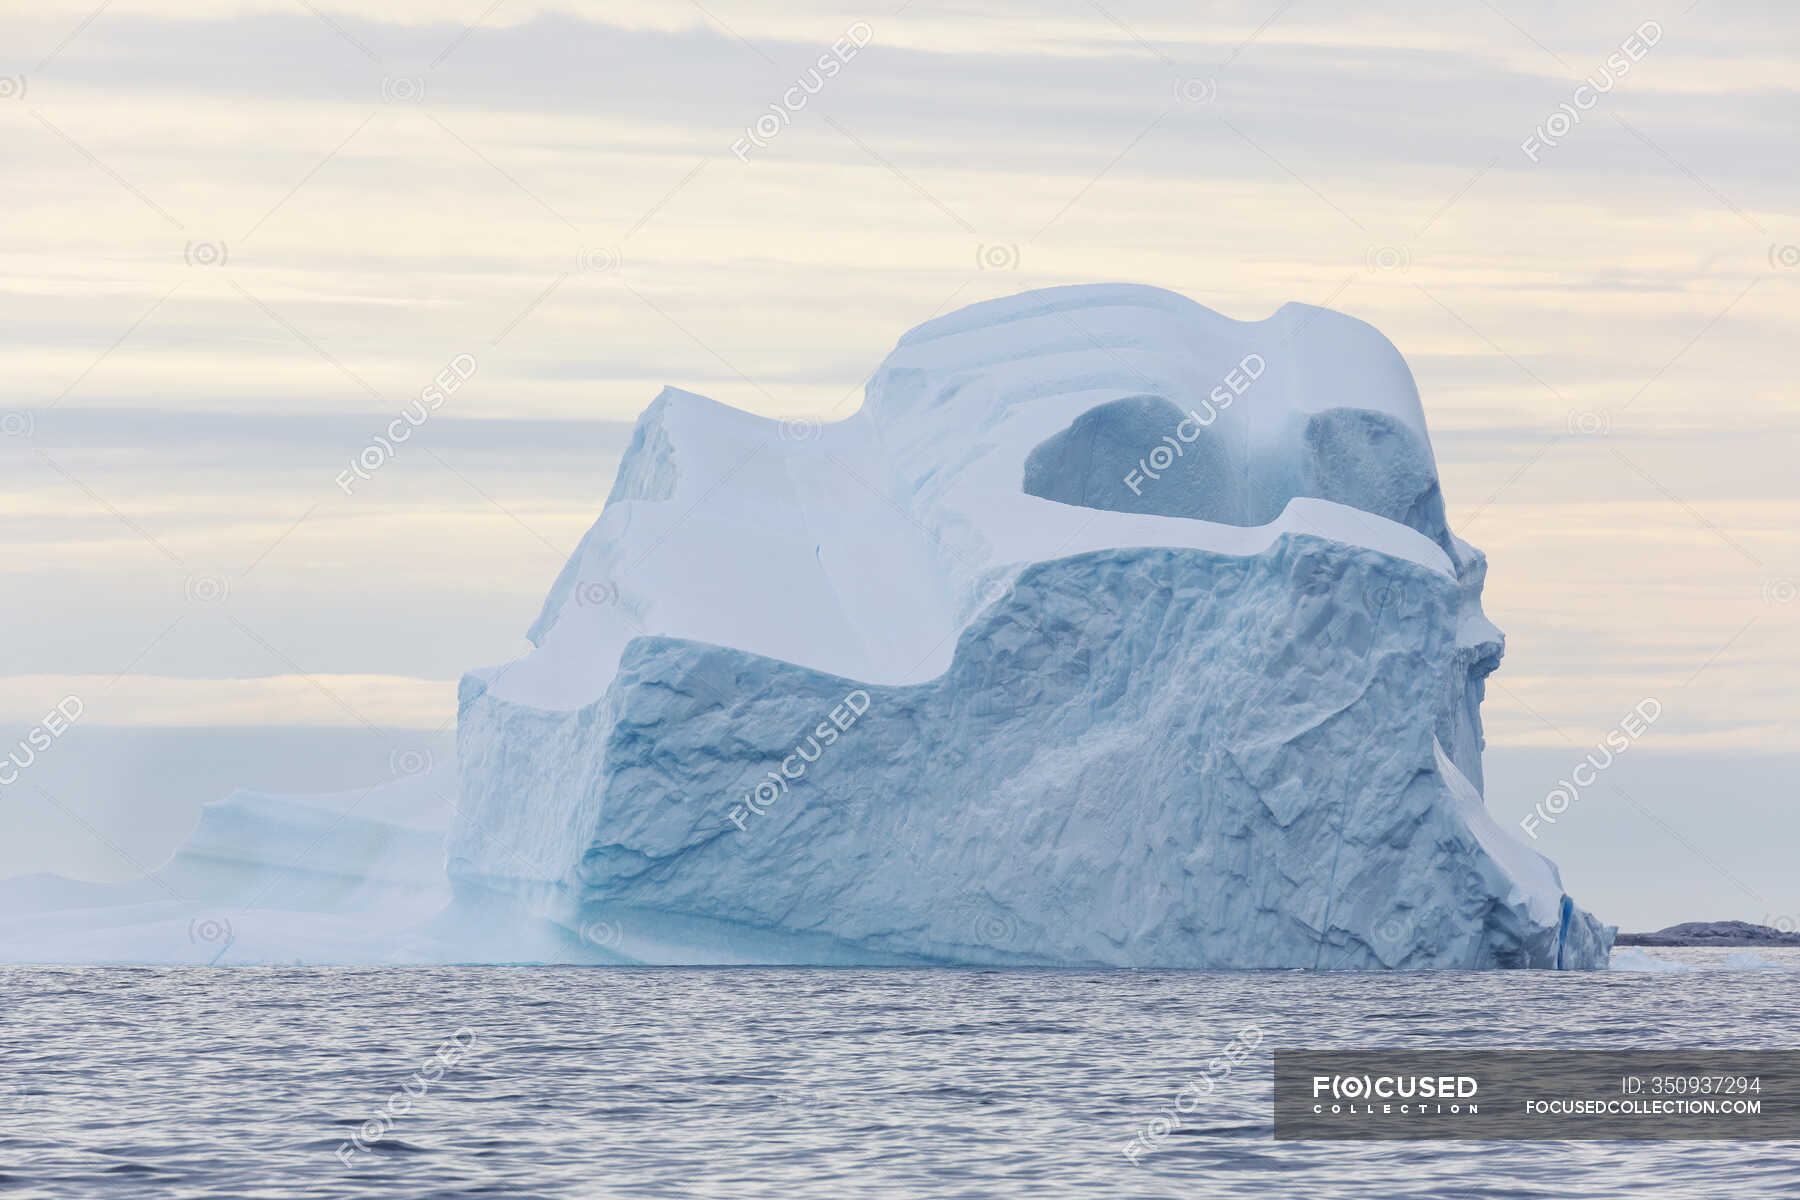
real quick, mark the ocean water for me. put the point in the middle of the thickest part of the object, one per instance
(585, 1082)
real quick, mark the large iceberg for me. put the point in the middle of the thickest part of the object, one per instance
(1109, 631)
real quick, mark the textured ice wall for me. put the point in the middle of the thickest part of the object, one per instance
(1139, 757)
(976, 676)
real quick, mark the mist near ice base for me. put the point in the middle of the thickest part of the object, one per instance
(148, 786)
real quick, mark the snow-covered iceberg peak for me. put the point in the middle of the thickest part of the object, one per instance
(1109, 630)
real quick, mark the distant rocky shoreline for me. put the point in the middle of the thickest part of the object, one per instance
(1711, 933)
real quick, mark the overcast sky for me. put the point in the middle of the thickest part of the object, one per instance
(243, 234)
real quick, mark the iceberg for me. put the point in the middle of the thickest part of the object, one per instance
(1108, 632)
(261, 878)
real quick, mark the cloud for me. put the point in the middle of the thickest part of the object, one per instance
(557, 196)
(382, 701)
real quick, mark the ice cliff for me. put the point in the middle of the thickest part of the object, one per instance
(1108, 632)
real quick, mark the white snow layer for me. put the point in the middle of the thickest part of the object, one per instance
(1109, 631)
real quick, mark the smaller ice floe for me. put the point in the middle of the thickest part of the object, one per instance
(1750, 960)
(1630, 958)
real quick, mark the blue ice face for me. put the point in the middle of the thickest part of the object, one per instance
(1145, 454)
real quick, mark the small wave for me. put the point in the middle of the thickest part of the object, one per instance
(1255, 1129)
(1630, 958)
(396, 1146)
